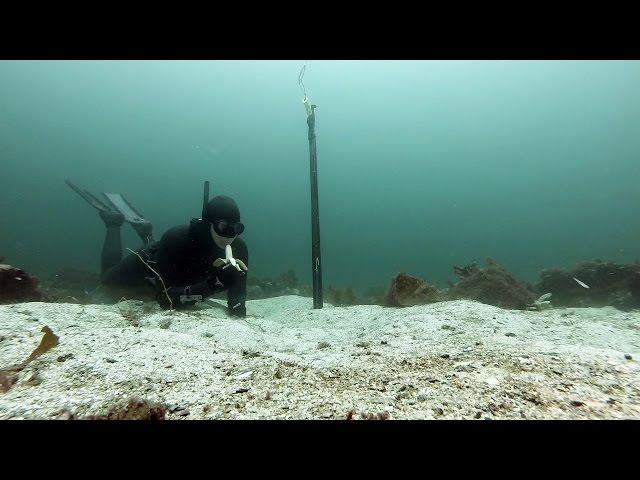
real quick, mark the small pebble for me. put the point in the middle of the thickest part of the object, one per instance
(65, 415)
(110, 360)
(34, 380)
(183, 412)
(446, 355)
(509, 334)
(241, 390)
(628, 357)
(576, 403)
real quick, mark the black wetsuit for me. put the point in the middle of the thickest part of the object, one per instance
(184, 259)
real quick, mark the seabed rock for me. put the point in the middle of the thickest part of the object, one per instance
(406, 291)
(492, 285)
(610, 284)
(18, 286)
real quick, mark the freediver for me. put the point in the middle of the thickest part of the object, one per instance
(189, 263)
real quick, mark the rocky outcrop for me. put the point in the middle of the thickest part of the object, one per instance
(340, 297)
(285, 284)
(609, 284)
(17, 286)
(492, 285)
(71, 285)
(406, 290)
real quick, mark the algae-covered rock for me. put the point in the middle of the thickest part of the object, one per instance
(71, 285)
(17, 286)
(284, 284)
(609, 284)
(406, 290)
(493, 285)
(340, 297)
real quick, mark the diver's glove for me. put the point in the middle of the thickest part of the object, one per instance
(228, 261)
(238, 310)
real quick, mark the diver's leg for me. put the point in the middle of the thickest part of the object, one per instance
(129, 272)
(144, 231)
(112, 248)
(141, 225)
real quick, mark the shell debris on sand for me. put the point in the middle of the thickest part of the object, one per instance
(380, 363)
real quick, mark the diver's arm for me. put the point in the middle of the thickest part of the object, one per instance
(170, 247)
(180, 295)
(237, 291)
(217, 279)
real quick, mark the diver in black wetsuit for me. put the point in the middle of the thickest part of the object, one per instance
(192, 260)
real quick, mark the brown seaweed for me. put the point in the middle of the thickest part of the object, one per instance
(406, 290)
(9, 375)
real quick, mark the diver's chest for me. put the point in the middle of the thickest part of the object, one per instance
(196, 263)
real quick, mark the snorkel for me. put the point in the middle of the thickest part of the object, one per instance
(205, 199)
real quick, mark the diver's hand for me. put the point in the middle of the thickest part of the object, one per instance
(238, 310)
(224, 263)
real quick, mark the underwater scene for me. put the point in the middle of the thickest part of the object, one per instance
(317, 239)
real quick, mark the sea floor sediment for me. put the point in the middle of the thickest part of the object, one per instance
(447, 360)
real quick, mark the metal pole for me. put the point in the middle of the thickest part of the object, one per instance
(316, 263)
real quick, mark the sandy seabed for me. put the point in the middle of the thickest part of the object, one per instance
(448, 360)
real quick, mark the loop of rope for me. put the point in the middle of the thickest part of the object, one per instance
(300, 77)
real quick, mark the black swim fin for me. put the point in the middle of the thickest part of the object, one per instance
(117, 203)
(132, 216)
(89, 198)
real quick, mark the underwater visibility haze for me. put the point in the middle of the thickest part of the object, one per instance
(422, 165)
(478, 221)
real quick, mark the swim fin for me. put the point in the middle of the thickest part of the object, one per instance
(117, 203)
(89, 198)
(132, 216)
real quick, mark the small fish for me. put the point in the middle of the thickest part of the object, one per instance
(581, 283)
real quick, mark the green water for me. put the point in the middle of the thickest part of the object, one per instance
(422, 164)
